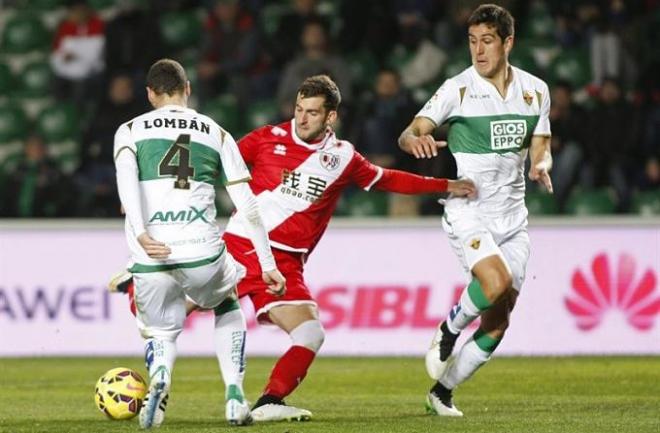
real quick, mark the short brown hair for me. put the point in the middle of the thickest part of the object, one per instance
(493, 16)
(321, 85)
(167, 76)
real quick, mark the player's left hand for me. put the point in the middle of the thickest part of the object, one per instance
(275, 281)
(540, 172)
(462, 188)
(154, 248)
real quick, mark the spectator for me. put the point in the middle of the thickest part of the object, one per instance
(612, 138)
(96, 175)
(383, 115)
(230, 56)
(367, 25)
(418, 60)
(77, 57)
(286, 41)
(37, 187)
(316, 58)
(649, 178)
(122, 53)
(568, 140)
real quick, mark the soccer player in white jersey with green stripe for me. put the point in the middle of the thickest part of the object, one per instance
(497, 114)
(167, 161)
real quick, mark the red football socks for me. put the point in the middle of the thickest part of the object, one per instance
(289, 371)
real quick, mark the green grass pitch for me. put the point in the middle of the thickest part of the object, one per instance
(583, 394)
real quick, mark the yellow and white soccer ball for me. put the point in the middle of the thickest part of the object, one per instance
(119, 393)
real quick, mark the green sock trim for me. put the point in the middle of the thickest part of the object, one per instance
(226, 306)
(485, 341)
(476, 293)
(234, 393)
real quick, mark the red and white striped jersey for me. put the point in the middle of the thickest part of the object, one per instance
(298, 184)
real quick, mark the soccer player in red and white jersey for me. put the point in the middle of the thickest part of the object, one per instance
(299, 169)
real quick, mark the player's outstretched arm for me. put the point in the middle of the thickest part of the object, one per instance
(402, 182)
(417, 140)
(248, 208)
(541, 161)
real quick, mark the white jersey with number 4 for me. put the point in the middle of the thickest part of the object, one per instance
(180, 153)
(489, 135)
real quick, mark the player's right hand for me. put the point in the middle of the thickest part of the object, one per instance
(425, 146)
(154, 248)
(275, 281)
(462, 188)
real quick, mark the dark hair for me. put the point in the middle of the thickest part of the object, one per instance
(321, 85)
(493, 16)
(167, 76)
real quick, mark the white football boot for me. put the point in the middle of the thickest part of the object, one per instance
(438, 356)
(152, 413)
(439, 402)
(280, 412)
(119, 282)
(237, 412)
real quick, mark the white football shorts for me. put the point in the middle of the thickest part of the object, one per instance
(160, 297)
(475, 237)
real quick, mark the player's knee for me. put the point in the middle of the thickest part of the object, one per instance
(496, 285)
(309, 334)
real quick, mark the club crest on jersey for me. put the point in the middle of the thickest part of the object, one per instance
(528, 97)
(475, 243)
(329, 161)
(279, 149)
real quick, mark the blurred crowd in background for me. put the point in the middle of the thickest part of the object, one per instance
(72, 71)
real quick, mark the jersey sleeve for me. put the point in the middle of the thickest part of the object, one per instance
(543, 125)
(234, 169)
(124, 141)
(128, 187)
(442, 104)
(364, 173)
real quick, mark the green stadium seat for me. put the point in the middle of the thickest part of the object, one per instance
(541, 203)
(181, 30)
(224, 110)
(572, 66)
(58, 123)
(270, 16)
(363, 67)
(540, 24)
(13, 129)
(34, 81)
(459, 60)
(42, 5)
(646, 203)
(594, 202)
(13, 123)
(260, 113)
(66, 154)
(368, 203)
(24, 32)
(523, 58)
(6, 79)
(99, 5)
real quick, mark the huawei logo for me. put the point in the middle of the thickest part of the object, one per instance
(611, 289)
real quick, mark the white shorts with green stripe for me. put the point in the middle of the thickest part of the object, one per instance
(160, 295)
(474, 237)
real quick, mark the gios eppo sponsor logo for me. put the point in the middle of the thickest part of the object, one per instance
(507, 134)
(613, 288)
